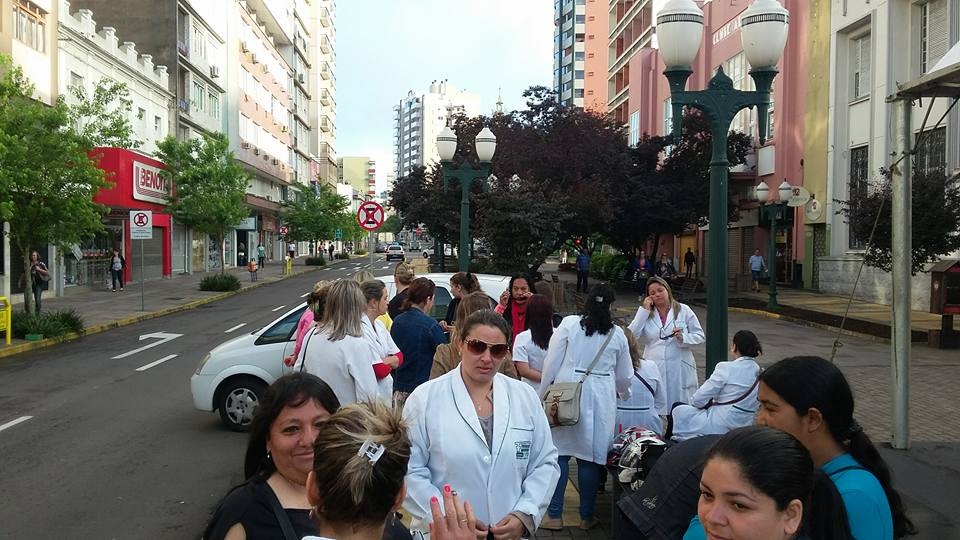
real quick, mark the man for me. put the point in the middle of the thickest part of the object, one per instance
(757, 266)
(583, 269)
(689, 259)
(330, 248)
(261, 256)
(292, 249)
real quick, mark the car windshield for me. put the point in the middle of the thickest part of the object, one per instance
(283, 329)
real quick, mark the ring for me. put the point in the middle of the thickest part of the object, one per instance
(463, 521)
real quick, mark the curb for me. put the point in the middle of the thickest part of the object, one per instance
(13, 350)
(787, 318)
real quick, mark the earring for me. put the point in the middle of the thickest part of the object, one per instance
(269, 457)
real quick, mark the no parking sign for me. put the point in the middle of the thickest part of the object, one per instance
(141, 225)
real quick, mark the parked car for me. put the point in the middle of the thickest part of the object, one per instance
(395, 251)
(381, 247)
(232, 377)
(448, 251)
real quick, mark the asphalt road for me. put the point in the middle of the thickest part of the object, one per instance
(112, 452)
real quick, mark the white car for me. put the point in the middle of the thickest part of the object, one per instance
(395, 251)
(232, 377)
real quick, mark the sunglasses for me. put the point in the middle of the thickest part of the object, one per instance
(497, 350)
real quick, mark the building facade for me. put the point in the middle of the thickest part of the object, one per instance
(580, 53)
(419, 118)
(323, 105)
(360, 172)
(631, 35)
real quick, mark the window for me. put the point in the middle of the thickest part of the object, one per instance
(933, 32)
(634, 128)
(737, 69)
(931, 156)
(214, 99)
(578, 92)
(29, 25)
(667, 116)
(197, 97)
(860, 62)
(578, 74)
(76, 81)
(857, 188)
(580, 19)
(578, 56)
(156, 123)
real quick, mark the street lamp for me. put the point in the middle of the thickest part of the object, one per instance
(465, 174)
(763, 31)
(773, 211)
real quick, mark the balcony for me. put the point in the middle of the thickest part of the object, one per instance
(325, 44)
(324, 17)
(183, 105)
(183, 48)
(325, 97)
(325, 125)
(325, 71)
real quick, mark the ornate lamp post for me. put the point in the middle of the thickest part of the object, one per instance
(465, 174)
(763, 30)
(773, 211)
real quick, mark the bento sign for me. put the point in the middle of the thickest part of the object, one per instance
(148, 185)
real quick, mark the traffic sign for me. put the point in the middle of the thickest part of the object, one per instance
(370, 215)
(141, 225)
(338, 234)
(284, 230)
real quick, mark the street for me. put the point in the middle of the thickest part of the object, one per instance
(103, 450)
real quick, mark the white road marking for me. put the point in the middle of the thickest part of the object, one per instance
(163, 337)
(232, 328)
(12, 423)
(304, 295)
(278, 308)
(157, 363)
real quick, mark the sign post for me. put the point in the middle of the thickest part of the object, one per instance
(141, 228)
(370, 216)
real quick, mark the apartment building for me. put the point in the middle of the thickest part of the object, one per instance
(580, 53)
(631, 35)
(419, 118)
(323, 106)
(360, 172)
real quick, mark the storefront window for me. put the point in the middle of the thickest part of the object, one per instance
(91, 268)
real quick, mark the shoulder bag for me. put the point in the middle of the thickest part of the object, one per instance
(561, 401)
(742, 397)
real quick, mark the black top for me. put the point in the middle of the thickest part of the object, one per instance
(395, 307)
(249, 505)
(452, 310)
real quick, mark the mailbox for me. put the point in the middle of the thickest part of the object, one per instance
(945, 300)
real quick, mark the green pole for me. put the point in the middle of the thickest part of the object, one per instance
(717, 240)
(465, 181)
(774, 210)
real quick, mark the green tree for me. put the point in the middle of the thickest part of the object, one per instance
(391, 225)
(208, 185)
(48, 174)
(314, 214)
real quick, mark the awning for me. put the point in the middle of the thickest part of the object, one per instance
(942, 80)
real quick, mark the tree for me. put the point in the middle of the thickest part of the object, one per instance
(314, 214)
(48, 172)
(936, 214)
(208, 185)
(391, 225)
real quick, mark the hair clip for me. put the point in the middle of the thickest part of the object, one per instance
(372, 451)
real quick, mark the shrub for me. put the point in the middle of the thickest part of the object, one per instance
(315, 261)
(341, 256)
(51, 324)
(360, 252)
(220, 282)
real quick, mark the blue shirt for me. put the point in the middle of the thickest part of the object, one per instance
(867, 508)
(417, 335)
(583, 262)
(756, 263)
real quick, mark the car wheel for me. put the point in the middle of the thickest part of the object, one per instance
(237, 400)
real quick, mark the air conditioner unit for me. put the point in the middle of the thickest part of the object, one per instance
(214, 72)
(244, 47)
(265, 68)
(256, 151)
(244, 145)
(283, 129)
(253, 57)
(301, 78)
(276, 161)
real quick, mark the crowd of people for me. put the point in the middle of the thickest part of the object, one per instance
(400, 423)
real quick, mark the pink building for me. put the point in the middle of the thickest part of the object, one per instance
(781, 157)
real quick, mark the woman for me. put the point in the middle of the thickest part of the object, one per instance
(728, 399)
(39, 274)
(418, 335)
(279, 457)
(669, 330)
(530, 346)
(402, 277)
(578, 342)
(809, 398)
(315, 304)
(513, 304)
(117, 264)
(760, 484)
(485, 434)
(461, 284)
(336, 350)
(646, 394)
(387, 355)
(447, 356)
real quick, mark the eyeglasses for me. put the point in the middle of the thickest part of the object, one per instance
(497, 350)
(669, 331)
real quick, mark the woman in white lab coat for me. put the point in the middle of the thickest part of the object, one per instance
(728, 399)
(336, 351)
(669, 330)
(386, 354)
(483, 433)
(573, 347)
(646, 399)
(530, 346)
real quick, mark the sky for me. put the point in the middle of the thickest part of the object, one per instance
(385, 48)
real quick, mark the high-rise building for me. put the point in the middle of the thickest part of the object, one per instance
(323, 105)
(419, 118)
(631, 31)
(580, 53)
(360, 172)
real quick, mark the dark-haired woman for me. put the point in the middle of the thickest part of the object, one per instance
(461, 284)
(579, 341)
(530, 346)
(809, 398)
(513, 304)
(728, 399)
(760, 484)
(417, 334)
(279, 458)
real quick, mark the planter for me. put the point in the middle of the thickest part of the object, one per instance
(33, 337)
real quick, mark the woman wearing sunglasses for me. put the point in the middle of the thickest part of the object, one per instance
(483, 433)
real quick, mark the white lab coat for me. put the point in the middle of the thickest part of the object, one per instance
(568, 356)
(346, 365)
(382, 346)
(730, 381)
(672, 356)
(642, 407)
(447, 446)
(525, 350)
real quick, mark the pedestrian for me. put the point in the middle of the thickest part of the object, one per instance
(728, 399)
(316, 301)
(39, 277)
(583, 269)
(261, 255)
(665, 268)
(669, 330)
(484, 434)
(418, 335)
(387, 355)
(279, 458)
(447, 356)
(647, 396)
(530, 346)
(760, 483)
(330, 249)
(117, 265)
(689, 260)
(461, 284)
(513, 304)
(563, 256)
(402, 278)
(590, 349)
(292, 250)
(757, 266)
